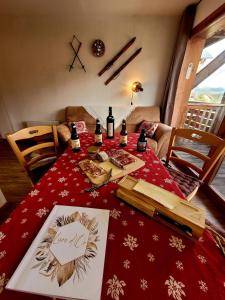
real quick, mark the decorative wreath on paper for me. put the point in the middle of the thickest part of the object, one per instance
(50, 267)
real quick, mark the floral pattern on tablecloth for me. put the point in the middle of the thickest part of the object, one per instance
(144, 259)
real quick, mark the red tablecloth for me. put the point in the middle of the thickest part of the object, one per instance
(144, 259)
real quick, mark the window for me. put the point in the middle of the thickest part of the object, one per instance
(211, 89)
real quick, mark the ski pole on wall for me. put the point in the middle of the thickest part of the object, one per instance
(111, 62)
(76, 54)
(117, 72)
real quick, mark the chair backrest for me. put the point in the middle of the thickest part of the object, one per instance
(208, 160)
(36, 132)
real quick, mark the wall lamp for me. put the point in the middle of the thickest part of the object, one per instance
(136, 87)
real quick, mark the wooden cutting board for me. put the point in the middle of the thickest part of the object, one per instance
(152, 199)
(116, 172)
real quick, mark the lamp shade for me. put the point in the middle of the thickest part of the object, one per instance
(137, 87)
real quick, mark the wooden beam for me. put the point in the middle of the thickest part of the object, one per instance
(214, 22)
(185, 83)
(209, 69)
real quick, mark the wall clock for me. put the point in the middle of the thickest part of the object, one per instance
(98, 48)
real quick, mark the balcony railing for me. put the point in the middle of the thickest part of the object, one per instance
(204, 116)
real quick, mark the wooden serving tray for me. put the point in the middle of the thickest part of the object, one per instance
(162, 204)
(116, 171)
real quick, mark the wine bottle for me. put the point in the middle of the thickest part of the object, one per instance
(75, 140)
(110, 124)
(123, 134)
(98, 133)
(142, 141)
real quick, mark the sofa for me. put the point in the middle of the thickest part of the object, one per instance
(160, 140)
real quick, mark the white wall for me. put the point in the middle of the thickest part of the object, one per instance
(34, 56)
(205, 8)
(5, 122)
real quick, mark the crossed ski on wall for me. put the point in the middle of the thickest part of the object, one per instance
(117, 72)
(111, 62)
(116, 57)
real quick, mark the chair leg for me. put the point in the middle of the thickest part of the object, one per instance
(190, 196)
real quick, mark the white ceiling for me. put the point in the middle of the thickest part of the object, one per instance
(93, 7)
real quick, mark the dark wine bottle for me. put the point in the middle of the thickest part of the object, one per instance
(142, 141)
(75, 140)
(110, 125)
(98, 133)
(123, 134)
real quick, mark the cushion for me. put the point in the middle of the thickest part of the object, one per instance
(153, 144)
(79, 113)
(63, 132)
(186, 183)
(140, 113)
(80, 125)
(150, 128)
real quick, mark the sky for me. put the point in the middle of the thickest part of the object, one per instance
(217, 79)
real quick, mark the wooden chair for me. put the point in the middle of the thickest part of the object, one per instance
(39, 149)
(190, 184)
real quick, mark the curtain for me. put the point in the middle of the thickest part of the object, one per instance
(184, 33)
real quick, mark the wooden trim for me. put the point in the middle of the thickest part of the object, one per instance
(199, 136)
(204, 117)
(184, 86)
(186, 164)
(171, 143)
(191, 151)
(55, 137)
(40, 157)
(31, 132)
(214, 22)
(217, 145)
(37, 147)
(192, 194)
(16, 149)
(204, 105)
